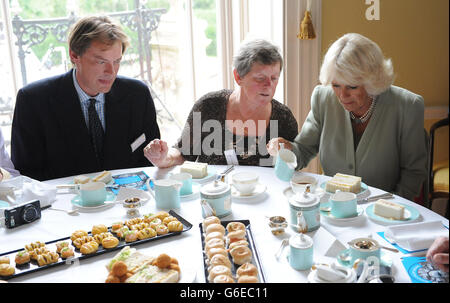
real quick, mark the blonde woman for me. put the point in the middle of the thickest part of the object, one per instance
(361, 124)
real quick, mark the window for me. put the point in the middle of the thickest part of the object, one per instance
(182, 49)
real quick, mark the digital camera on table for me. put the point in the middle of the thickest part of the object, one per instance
(22, 214)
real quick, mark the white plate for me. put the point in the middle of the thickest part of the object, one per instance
(411, 214)
(259, 189)
(110, 197)
(195, 191)
(364, 193)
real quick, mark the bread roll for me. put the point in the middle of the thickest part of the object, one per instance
(247, 269)
(78, 242)
(241, 255)
(237, 243)
(146, 233)
(219, 260)
(161, 229)
(99, 237)
(4, 260)
(98, 229)
(215, 227)
(67, 252)
(210, 220)
(110, 242)
(215, 251)
(235, 236)
(89, 248)
(22, 257)
(214, 234)
(223, 279)
(233, 226)
(47, 258)
(175, 226)
(248, 279)
(6, 270)
(78, 234)
(32, 246)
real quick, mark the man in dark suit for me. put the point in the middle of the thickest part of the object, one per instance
(88, 119)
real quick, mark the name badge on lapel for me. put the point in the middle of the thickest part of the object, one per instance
(138, 142)
(231, 157)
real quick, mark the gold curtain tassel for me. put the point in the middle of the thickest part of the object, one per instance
(306, 28)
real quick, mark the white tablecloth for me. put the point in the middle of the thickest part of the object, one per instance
(187, 247)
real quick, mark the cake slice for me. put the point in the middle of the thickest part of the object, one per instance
(104, 176)
(196, 169)
(81, 179)
(389, 210)
(344, 182)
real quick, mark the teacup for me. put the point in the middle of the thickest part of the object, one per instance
(343, 204)
(299, 182)
(166, 193)
(245, 182)
(285, 164)
(186, 180)
(92, 194)
(363, 248)
(301, 252)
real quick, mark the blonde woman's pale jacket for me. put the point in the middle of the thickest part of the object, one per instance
(392, 152)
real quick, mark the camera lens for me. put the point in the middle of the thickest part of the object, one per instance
(29, 213)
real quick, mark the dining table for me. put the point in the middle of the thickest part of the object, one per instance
(272, 200)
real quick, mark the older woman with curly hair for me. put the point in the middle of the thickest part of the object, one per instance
(361, 124)
(238, 122)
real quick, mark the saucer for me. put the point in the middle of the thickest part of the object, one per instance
(76, 202)
(328, 215)
(259, 189)
(195, 191)
(385, 259)
(313, 277)
(411, 214)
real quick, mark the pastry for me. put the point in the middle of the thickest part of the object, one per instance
(174, 226)
(6, 270)
(22, 257)
(112, 279)
(4, 260)
(215, 227)
(210, 220)
(121, 232)
(78, 242)
(38, 251)
(110, 242)
(99, 237)
(140, 226)
(162, 215)
(104, 176)
(344, 182)
(116, 226)
(89, 248)
(218, 270)
(161, 229)
(233, 226)
(219, 260)
(130, 236)
(66, 252)
(60, 245)
(155, 222)
(169, 219)
(162, 261)
(32, 246)
(215, 242)
(198, 170)
(215, 251)
(237, 243)
(248, 279)
(146, 233)
(241, 255)
(78, 234)
(247, 269)
(134, 221)
(98, 229)
(235, 236)
(119, 268)
(81, 179)
(223, 279)
(214, 235)
(389, 210)
(47, 258)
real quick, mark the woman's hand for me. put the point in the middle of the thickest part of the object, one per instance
(274, 145)
(156, 152)
(437, 254)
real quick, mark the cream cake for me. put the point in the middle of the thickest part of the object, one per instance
(196, 169)
(344, 182)
(81, 179)
(389, 210)
(104, 176)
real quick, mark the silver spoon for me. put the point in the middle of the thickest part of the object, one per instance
(72, 212)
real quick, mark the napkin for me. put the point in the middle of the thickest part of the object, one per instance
(31, 190)
(416, 236)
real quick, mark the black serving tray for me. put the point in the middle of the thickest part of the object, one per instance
(234, 267)
(32, 266)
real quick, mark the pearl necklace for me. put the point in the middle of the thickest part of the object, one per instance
(366, 116)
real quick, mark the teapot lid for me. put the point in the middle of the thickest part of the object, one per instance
(300, 241)
(215, 188)
(304, 199)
